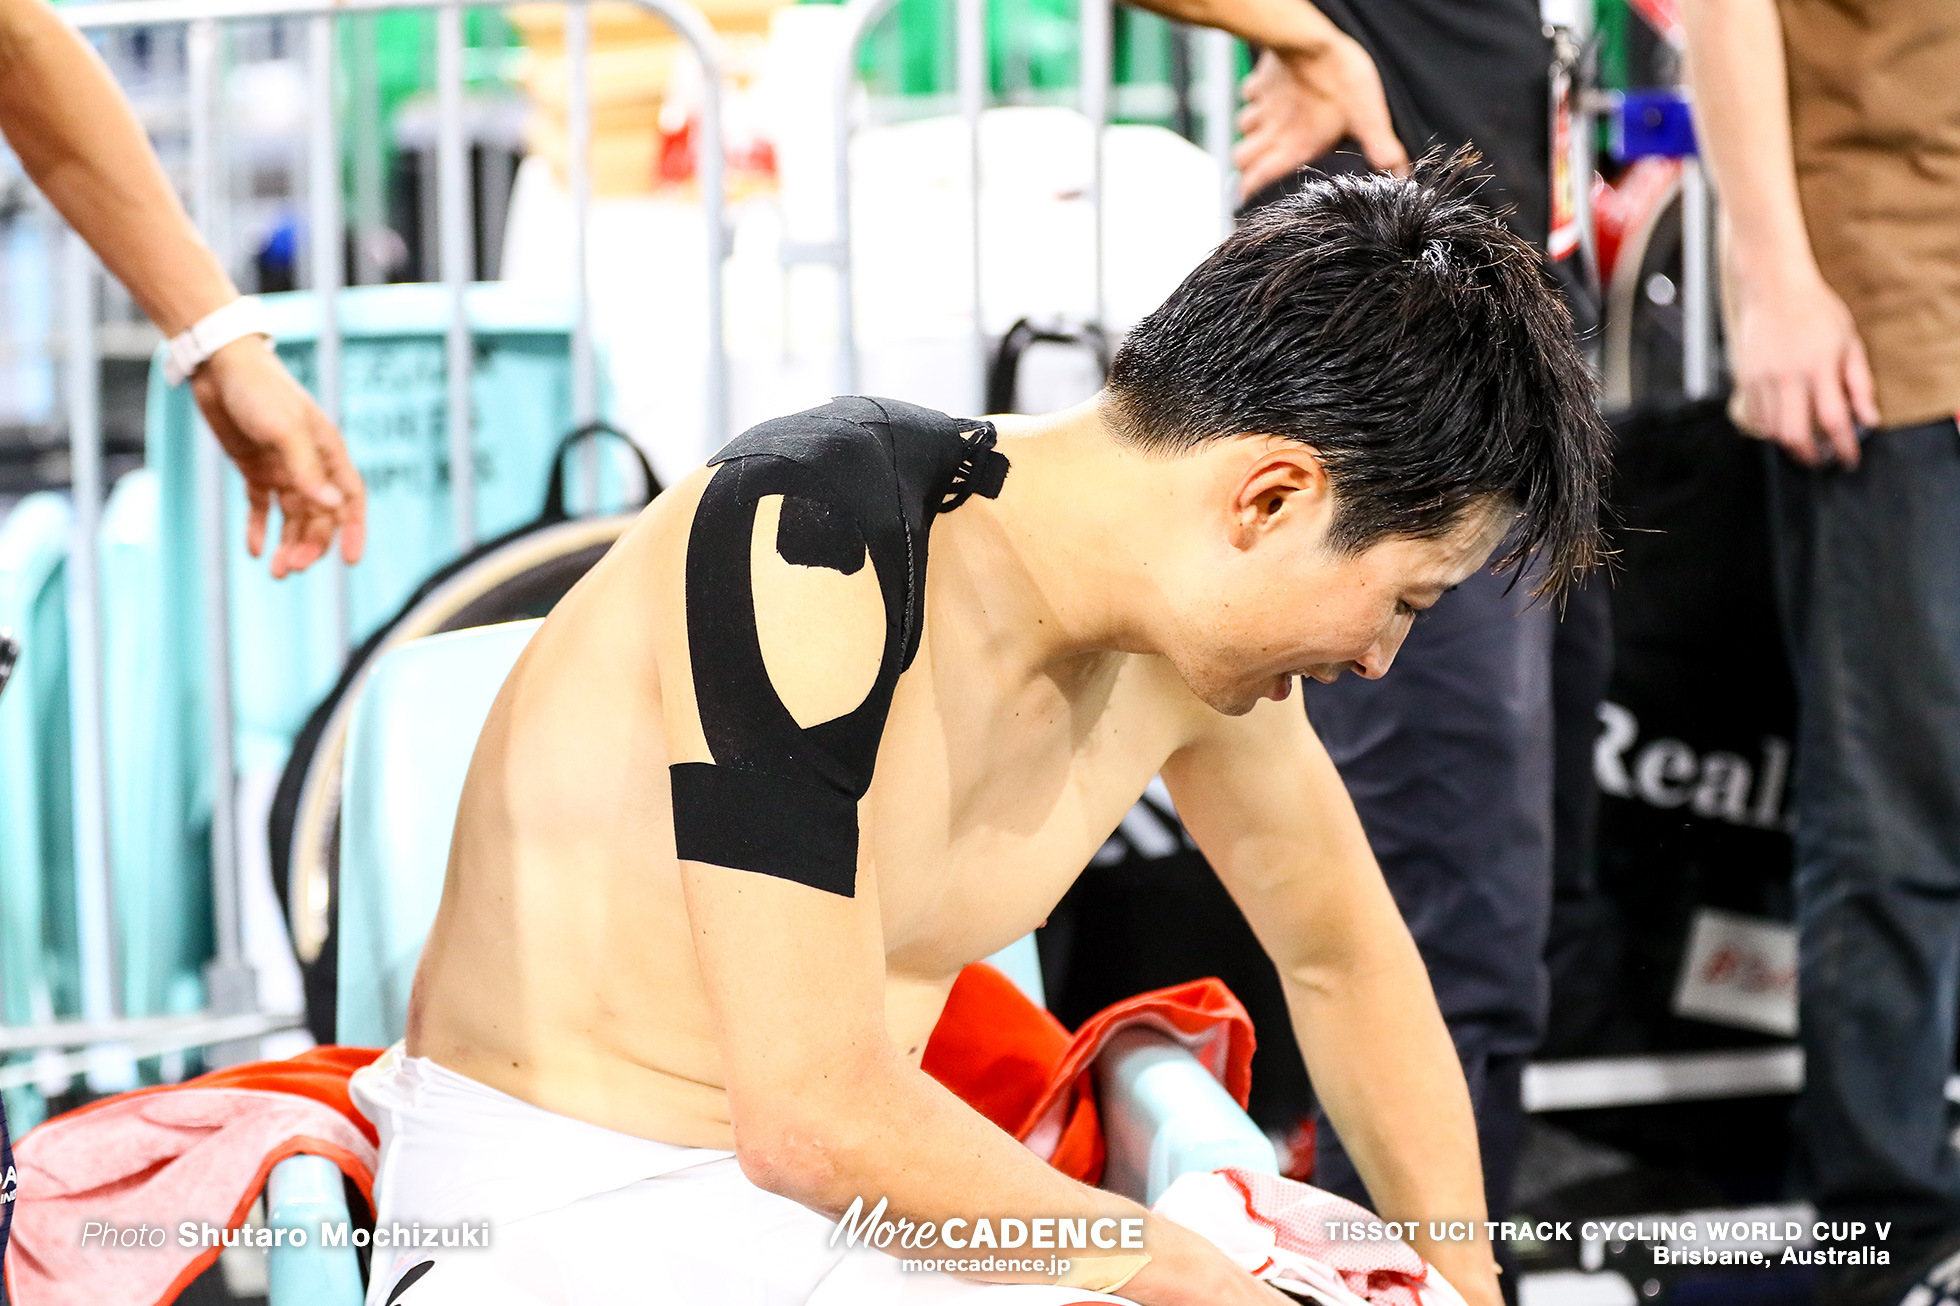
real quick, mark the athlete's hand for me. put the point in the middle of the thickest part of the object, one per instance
(1302, 103)
(1474, 1280)
(286, 449)
(1187, 1269)
(1801, 377)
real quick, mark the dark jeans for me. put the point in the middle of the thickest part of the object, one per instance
(1869, 578)
(1449, 759)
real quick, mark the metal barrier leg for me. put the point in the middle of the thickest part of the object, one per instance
(94, 880)
(578, 174)
(971, 54)
(1095, 74)
(859, 18)
(364, 105)
(714, 205)
(229, 981)
(453, 215)
(323, 226)
(1220, 61)
(1697, 284)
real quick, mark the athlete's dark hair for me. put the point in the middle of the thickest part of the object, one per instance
(1400, 330)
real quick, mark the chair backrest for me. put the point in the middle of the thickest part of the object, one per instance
(39, 976)
(158, 767)
(287, 643)
(416, 725)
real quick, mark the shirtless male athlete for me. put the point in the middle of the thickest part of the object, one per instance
(669, 1020)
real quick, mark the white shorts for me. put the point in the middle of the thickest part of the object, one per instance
(574, 1214)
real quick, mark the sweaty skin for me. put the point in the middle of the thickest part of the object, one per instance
(1111, 616)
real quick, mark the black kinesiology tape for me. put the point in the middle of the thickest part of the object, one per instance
(859, 477)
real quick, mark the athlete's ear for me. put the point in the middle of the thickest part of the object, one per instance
(1282, 480)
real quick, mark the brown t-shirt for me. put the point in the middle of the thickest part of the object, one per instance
(1875, 115)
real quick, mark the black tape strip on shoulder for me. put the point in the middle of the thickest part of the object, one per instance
(859, 478)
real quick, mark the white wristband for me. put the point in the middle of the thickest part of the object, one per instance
(188, 350)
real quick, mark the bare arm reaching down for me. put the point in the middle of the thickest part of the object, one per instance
(1264, 802)
(1313, 87)
(788, 644)
(79, 141)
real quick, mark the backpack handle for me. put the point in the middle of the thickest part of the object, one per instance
(554, 490)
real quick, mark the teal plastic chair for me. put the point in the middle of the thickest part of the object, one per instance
(159, 800)
(40, 974)
(393, 415)
(285, 654)
(408, 752)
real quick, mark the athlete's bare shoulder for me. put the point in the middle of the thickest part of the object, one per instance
(796, 563)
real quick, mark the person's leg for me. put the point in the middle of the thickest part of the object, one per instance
(1869, 571)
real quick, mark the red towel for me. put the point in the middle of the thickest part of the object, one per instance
(197, 1152)
(1015, 1063)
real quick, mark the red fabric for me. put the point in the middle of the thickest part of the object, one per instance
(320, 1073)
(1017, 1065)
(199, 1151)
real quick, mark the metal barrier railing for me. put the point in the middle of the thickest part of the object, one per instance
(230, 982)
(970, 72)
(231, 987)
(232, 1013)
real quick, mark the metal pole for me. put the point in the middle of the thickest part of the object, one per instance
(1697, 325)
(453, 220)
(323, 226)
(230, 983)
(859, 18)
(1095, 72)
(578, 174)
(364, 105)
(94, 878)
(1585, 81)
(1218, 57)
(714, 203)
(970, 43)
(847, 350)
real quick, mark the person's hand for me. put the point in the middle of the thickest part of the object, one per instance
(1467, 1266)
(1801, 377)
(1186, 1269)
(286, 449)
(1301, 104)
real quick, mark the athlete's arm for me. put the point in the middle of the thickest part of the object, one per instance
(824, 1108)
(1268, 809)
(1801, 376)
(78, 139)
(1313, 87)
